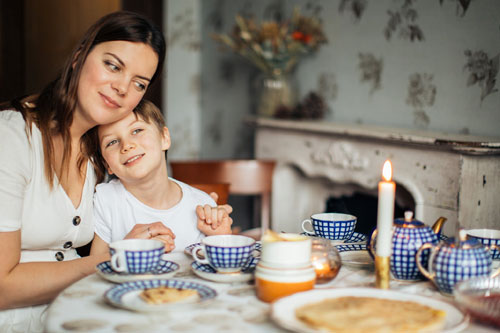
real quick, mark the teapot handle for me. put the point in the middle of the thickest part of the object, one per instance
(419, 264)
(491, 248)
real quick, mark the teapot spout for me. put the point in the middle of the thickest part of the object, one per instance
(438, 225)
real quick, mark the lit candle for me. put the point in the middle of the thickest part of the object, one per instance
(385, 212)
(385, 216)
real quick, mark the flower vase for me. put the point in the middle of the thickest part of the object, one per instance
(274, 92)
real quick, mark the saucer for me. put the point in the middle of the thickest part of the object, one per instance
(356, 237)
(165, 269)
(207, 272)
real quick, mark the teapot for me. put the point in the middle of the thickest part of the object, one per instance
(407, 237)
(455, 260)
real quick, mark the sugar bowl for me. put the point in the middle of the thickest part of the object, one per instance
(455, 260)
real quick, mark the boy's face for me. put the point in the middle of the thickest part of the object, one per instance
(133, 149)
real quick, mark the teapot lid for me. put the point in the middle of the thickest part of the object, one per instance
(408, 221)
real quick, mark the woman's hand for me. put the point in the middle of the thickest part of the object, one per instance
(156, 230)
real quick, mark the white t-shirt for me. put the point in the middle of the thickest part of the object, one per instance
(44, 216)
(116, 211)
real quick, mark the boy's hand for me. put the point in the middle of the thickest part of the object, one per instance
(214, 220)
(227, 207)
(156, 230)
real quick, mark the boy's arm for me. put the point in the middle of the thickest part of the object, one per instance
(213, 220)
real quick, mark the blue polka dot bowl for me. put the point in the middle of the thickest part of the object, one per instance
(333, 226)
(451, 262)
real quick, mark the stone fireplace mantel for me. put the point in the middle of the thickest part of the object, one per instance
(455, 176)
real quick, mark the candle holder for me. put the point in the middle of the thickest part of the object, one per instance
(325, 260)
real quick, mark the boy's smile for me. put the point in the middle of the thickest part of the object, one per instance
(133, 149)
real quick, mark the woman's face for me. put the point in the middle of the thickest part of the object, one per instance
(113, 80)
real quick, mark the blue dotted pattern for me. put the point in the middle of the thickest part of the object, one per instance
(453, 265)
(115, 294)
(229, 257)
(351, 247)
(495, 254)
(405, 244)
(334, 229)
(163, 267)
(209, 269)
(139, 262)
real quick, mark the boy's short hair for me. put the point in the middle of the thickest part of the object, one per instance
(146, 110)
(150, 113)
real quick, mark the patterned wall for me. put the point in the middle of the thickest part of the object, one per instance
(420, 64)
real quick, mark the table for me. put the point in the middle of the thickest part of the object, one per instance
(82, 307)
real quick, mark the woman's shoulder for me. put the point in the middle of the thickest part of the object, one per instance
(12, 117)
(13, 127)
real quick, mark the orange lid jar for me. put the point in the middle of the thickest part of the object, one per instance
(272, 283)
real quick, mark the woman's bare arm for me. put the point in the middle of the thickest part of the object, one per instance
(25, 284)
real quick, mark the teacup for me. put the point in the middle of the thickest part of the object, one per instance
(333, 226)
(226, 253)
(136, 256)
(286, 250)
(489, 237)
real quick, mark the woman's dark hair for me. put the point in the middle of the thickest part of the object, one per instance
(52, 111)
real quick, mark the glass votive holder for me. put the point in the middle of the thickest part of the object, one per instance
(325, 260)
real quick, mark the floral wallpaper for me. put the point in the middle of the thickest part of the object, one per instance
(423, 64)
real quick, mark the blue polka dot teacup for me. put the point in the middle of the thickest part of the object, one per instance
(136, 256)
(489, 238)
(226, 253)
(333, 226)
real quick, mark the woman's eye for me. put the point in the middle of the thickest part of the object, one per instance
(111, 66)
(137, 131)
(140, 86)
(110, 143)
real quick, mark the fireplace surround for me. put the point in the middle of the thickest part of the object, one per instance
(450, 175)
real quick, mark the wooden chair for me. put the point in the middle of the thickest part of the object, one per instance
(222, 190)
(246, 177)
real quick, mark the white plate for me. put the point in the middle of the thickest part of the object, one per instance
(164, 270)
(283, 310)
(207, 272)
(127, 295)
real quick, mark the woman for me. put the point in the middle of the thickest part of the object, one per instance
(46, 181)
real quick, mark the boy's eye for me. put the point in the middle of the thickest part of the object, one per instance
(111, 66)
(110, 143)
(140, 86)
(136, 131)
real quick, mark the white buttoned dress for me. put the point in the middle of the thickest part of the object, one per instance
(51, 227)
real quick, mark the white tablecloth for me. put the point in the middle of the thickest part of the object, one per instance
(82, 307)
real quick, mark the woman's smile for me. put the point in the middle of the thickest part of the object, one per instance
(108, 101)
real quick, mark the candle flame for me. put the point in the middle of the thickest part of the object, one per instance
(387, 171)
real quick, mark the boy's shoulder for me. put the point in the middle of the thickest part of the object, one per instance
(112, 187)
(192, 193)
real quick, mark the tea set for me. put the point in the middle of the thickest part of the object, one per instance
(286, 263)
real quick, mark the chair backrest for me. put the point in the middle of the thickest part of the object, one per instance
(246, 177)
(222, 190)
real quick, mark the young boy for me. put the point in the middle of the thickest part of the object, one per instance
(133, 149)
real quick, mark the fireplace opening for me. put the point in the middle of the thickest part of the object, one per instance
(364, 207)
